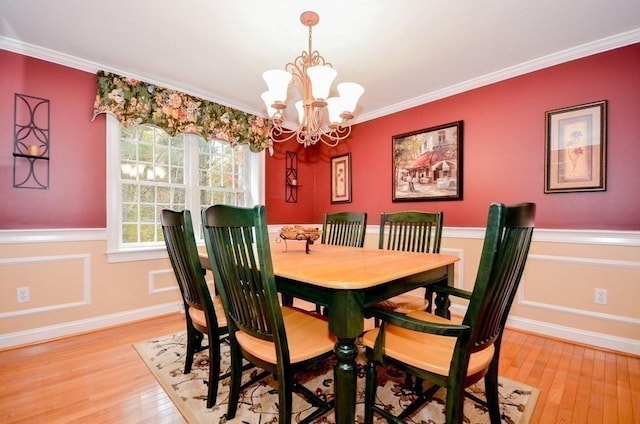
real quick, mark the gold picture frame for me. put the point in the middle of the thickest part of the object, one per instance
(576, 148)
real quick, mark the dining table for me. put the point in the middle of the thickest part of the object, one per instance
(348, 280)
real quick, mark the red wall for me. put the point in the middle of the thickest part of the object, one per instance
(503, 150)
(77, 180)
(279, 210)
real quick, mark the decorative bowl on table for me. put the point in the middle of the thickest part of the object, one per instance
(298, 232)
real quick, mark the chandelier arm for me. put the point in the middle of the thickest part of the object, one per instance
(279, 134)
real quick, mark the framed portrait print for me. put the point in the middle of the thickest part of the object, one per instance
(341, 178)
(576, 148)
(427, 164)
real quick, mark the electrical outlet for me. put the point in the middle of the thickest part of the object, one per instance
(601, 296)
(22, 294)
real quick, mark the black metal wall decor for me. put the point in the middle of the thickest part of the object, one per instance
(291, 178)
(31, 142)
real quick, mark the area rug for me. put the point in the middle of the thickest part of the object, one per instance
(258, 403)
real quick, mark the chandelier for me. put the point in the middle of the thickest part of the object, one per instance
(320, 117)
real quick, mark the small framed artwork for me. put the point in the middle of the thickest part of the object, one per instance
(576, 148)
(341, 178)
(427, 164)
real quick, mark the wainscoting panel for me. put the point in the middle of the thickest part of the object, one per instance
(74, 287)
(54, 283)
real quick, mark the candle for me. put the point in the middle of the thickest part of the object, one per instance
(33, 150)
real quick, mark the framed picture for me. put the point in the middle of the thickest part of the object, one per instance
(341, 178)
(427, 164)
(576, 148)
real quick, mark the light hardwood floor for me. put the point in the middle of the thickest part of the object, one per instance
(99, 378)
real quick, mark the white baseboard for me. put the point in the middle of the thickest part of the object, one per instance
(576, 335)
(21, 338)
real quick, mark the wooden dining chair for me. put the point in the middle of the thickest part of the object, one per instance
(450, 355)
(278, 339)
(204, 315)
(410, 231)
(344, 229)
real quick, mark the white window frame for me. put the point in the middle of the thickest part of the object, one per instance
(116, 252)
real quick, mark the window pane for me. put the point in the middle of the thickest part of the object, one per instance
(147, 233)
(129, 193)
(147, 213)
(129, 212)
(129, 233)
(179, 197)
(147, 194)
(154, 175)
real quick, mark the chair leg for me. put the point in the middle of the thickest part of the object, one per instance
(428, 296)
(285, 394)
(491, 386)
(214, 370)
(491, 391)
(236, 377)
(455, 398)
(194, 344)
(370, 392)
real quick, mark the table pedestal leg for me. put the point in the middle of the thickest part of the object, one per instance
(442, 305)
(345, 381)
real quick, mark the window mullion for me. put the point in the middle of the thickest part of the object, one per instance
(191, 170)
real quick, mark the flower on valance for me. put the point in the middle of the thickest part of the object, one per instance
(135, 102)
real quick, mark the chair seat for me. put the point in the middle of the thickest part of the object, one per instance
(404, 304)
(426, 351)
(197, 315)
(308, 336)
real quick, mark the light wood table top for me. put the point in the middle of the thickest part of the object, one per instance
(338, 267)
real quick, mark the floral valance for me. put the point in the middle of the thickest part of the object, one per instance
(135, 102)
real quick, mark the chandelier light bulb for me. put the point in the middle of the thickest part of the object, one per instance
(278, 82)
(321, 79)
(269, 100)
(350, 93)
(335, 106)
(300, 108)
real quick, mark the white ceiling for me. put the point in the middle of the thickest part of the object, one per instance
(404, 52)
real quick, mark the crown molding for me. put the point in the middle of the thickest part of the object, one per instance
(588, 49)
(578, 52)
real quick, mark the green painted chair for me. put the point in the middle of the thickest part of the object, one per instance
(204, 314)
(451, 355)
(344, 229)
(410, 231)
(278, 339)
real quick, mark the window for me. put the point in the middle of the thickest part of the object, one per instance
(148, 171)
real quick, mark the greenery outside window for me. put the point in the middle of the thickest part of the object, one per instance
(152, 171)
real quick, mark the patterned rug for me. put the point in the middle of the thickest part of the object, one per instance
(165, 358)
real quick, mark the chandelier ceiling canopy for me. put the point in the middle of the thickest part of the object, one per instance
(320, 117)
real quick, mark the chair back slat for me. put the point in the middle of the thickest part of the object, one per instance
(344, 229)
(411, 231)
(504, 254)
(177, 229)
(238, 247)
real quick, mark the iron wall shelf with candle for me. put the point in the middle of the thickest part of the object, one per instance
(291, 178)
(31, 142)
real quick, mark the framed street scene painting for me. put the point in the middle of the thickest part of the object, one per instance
(427, 164)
